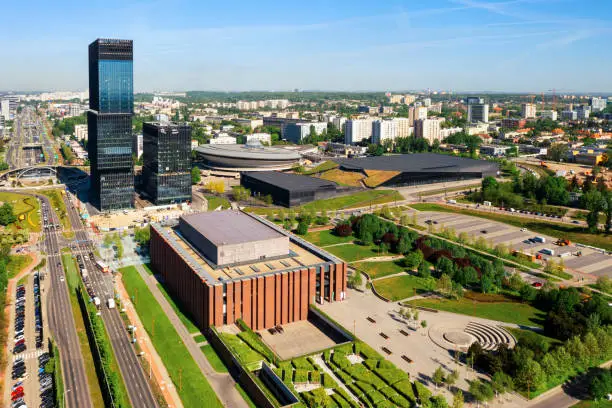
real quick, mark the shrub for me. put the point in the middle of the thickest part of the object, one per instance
(366, 351)
(422, 392)
(340, 360)
(328, 382)
(371, 363)
(343, 229)
(405, 389)
(340, 401)
(391, 375)
(300, 376)
(361, 373)
(302, 363)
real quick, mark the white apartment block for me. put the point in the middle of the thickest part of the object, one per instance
(598, 104)
(420, 113)
(395, 98)
(549, 114)
(5, 109)
(259, 137)
(80, 132)
(357, 130)
(444, 133)
(404, 128)
(254, 105)
(569, 115)
(477, 128)
(160, 117)
(428, 129)
(528, 111)
(427, 102)
(338, 122)
(583, 112)
(252, 123)
(435, 107)
(383, 130)
(223, 139)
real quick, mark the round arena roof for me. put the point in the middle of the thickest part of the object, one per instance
(250, 157)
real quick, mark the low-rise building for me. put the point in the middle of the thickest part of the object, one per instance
(549, 114)
(260, 137)
(494, 150)
(296, 132)
(513, 123)
(223, 139)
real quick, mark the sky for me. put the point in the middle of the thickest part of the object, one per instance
(352, 45)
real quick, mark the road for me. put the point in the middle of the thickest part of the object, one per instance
(61, 320)
(136, 382)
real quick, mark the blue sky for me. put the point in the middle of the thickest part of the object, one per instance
(461, 45)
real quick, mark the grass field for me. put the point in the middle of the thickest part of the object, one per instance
(401, 287)
(213, 359)
(448, 190)
(344, 178)
(379, 269)
(325, 166)
(326, 237)
(199, 338)
(354, 252)
(214, 202)
(530, 336)
(377, 177)
(593, 404)
(192, 386)
(509, 312)
(191, 327)
(361, 199)
(16, 264)
(557, 230)
(73, 278)
(26, 205)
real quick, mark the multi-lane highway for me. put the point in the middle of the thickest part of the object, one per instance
(29, 140)
(61, 319)
(138, 388)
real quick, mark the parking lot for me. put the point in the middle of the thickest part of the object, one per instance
(29, 384)
(575, 257)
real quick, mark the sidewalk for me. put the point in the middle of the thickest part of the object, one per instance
(222, 383)
(157, 367)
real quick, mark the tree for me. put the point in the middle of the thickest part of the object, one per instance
(438, 401)
(529, 375)
(557, 151)
(424, 270)
(481, 391)
(604, 284)
(501, 383)
(489, 182)
(302, 228)
(355, 280)
(6, 214)
(424, 324)
(594, 202)
(195, 175)
(444, 284)
(414, 259)
(240, 193)
(452, 378)
(438, 376)
(343, 229)
(458, 399)
(142, 235)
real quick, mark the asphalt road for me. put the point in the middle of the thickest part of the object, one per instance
(136, 382)
(29, 128)
(61, 321)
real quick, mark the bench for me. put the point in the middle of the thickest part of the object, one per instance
(404, 332)
(370, 319)
(386, 350)
(408, 360)
(383, 335)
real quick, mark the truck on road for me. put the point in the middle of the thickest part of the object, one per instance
(111, 303)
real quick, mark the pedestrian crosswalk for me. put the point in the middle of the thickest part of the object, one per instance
(29, 355)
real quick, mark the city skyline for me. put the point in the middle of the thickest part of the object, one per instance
(460, 45)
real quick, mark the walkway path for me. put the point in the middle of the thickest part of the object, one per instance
(157, 367)
(223, 384)
(319, 361)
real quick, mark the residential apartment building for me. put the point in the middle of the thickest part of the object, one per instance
(403, 126)
(251, 123)
(549, 114)
(80, 132)
(528, 111)
(138, 145)
(296, 132)
(428, 129)
(385, 129)
(513, 123)
(222, 139)
(598, 104)
(583, 112)
(259, 137)
(569, 115)
(357, 130)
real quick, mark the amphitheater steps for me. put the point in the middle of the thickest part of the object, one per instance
(488, 336)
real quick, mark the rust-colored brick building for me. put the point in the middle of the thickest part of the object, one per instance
(264, 291)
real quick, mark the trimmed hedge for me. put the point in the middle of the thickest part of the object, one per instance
(366, 351)
(404, 388)
(241, 349)
(253, 340)
(360, 373)
(340, 360)
(300, 376)
(328, 382)
(391, 375)
(302, 363)
(422, 392)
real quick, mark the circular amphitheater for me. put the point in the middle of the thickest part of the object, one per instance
(461, 337)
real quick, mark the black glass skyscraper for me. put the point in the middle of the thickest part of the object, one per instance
(111, 104)
(166, 157)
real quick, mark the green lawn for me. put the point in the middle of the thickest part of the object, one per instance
(530, 336)
(147, 268)
(509, 312)
(168, 344)
(379, 269)
(214, 202)
(449, 190)
(361, 199)
(354, 252)
(26, 205)
(326, 165)
(401, 287)
(554, 229)
(213, 358)
(199, 338)
(326, 237)
(191, 327)
(16, 264)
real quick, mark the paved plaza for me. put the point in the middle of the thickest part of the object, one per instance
(297, 339)
(591, 261)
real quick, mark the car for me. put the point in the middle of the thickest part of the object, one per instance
(484, 231)
(17, 384)
(575, 222)
(19, 338)
(17, 390)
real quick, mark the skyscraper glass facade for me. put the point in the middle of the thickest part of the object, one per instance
(166, 159)
(111, 102)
